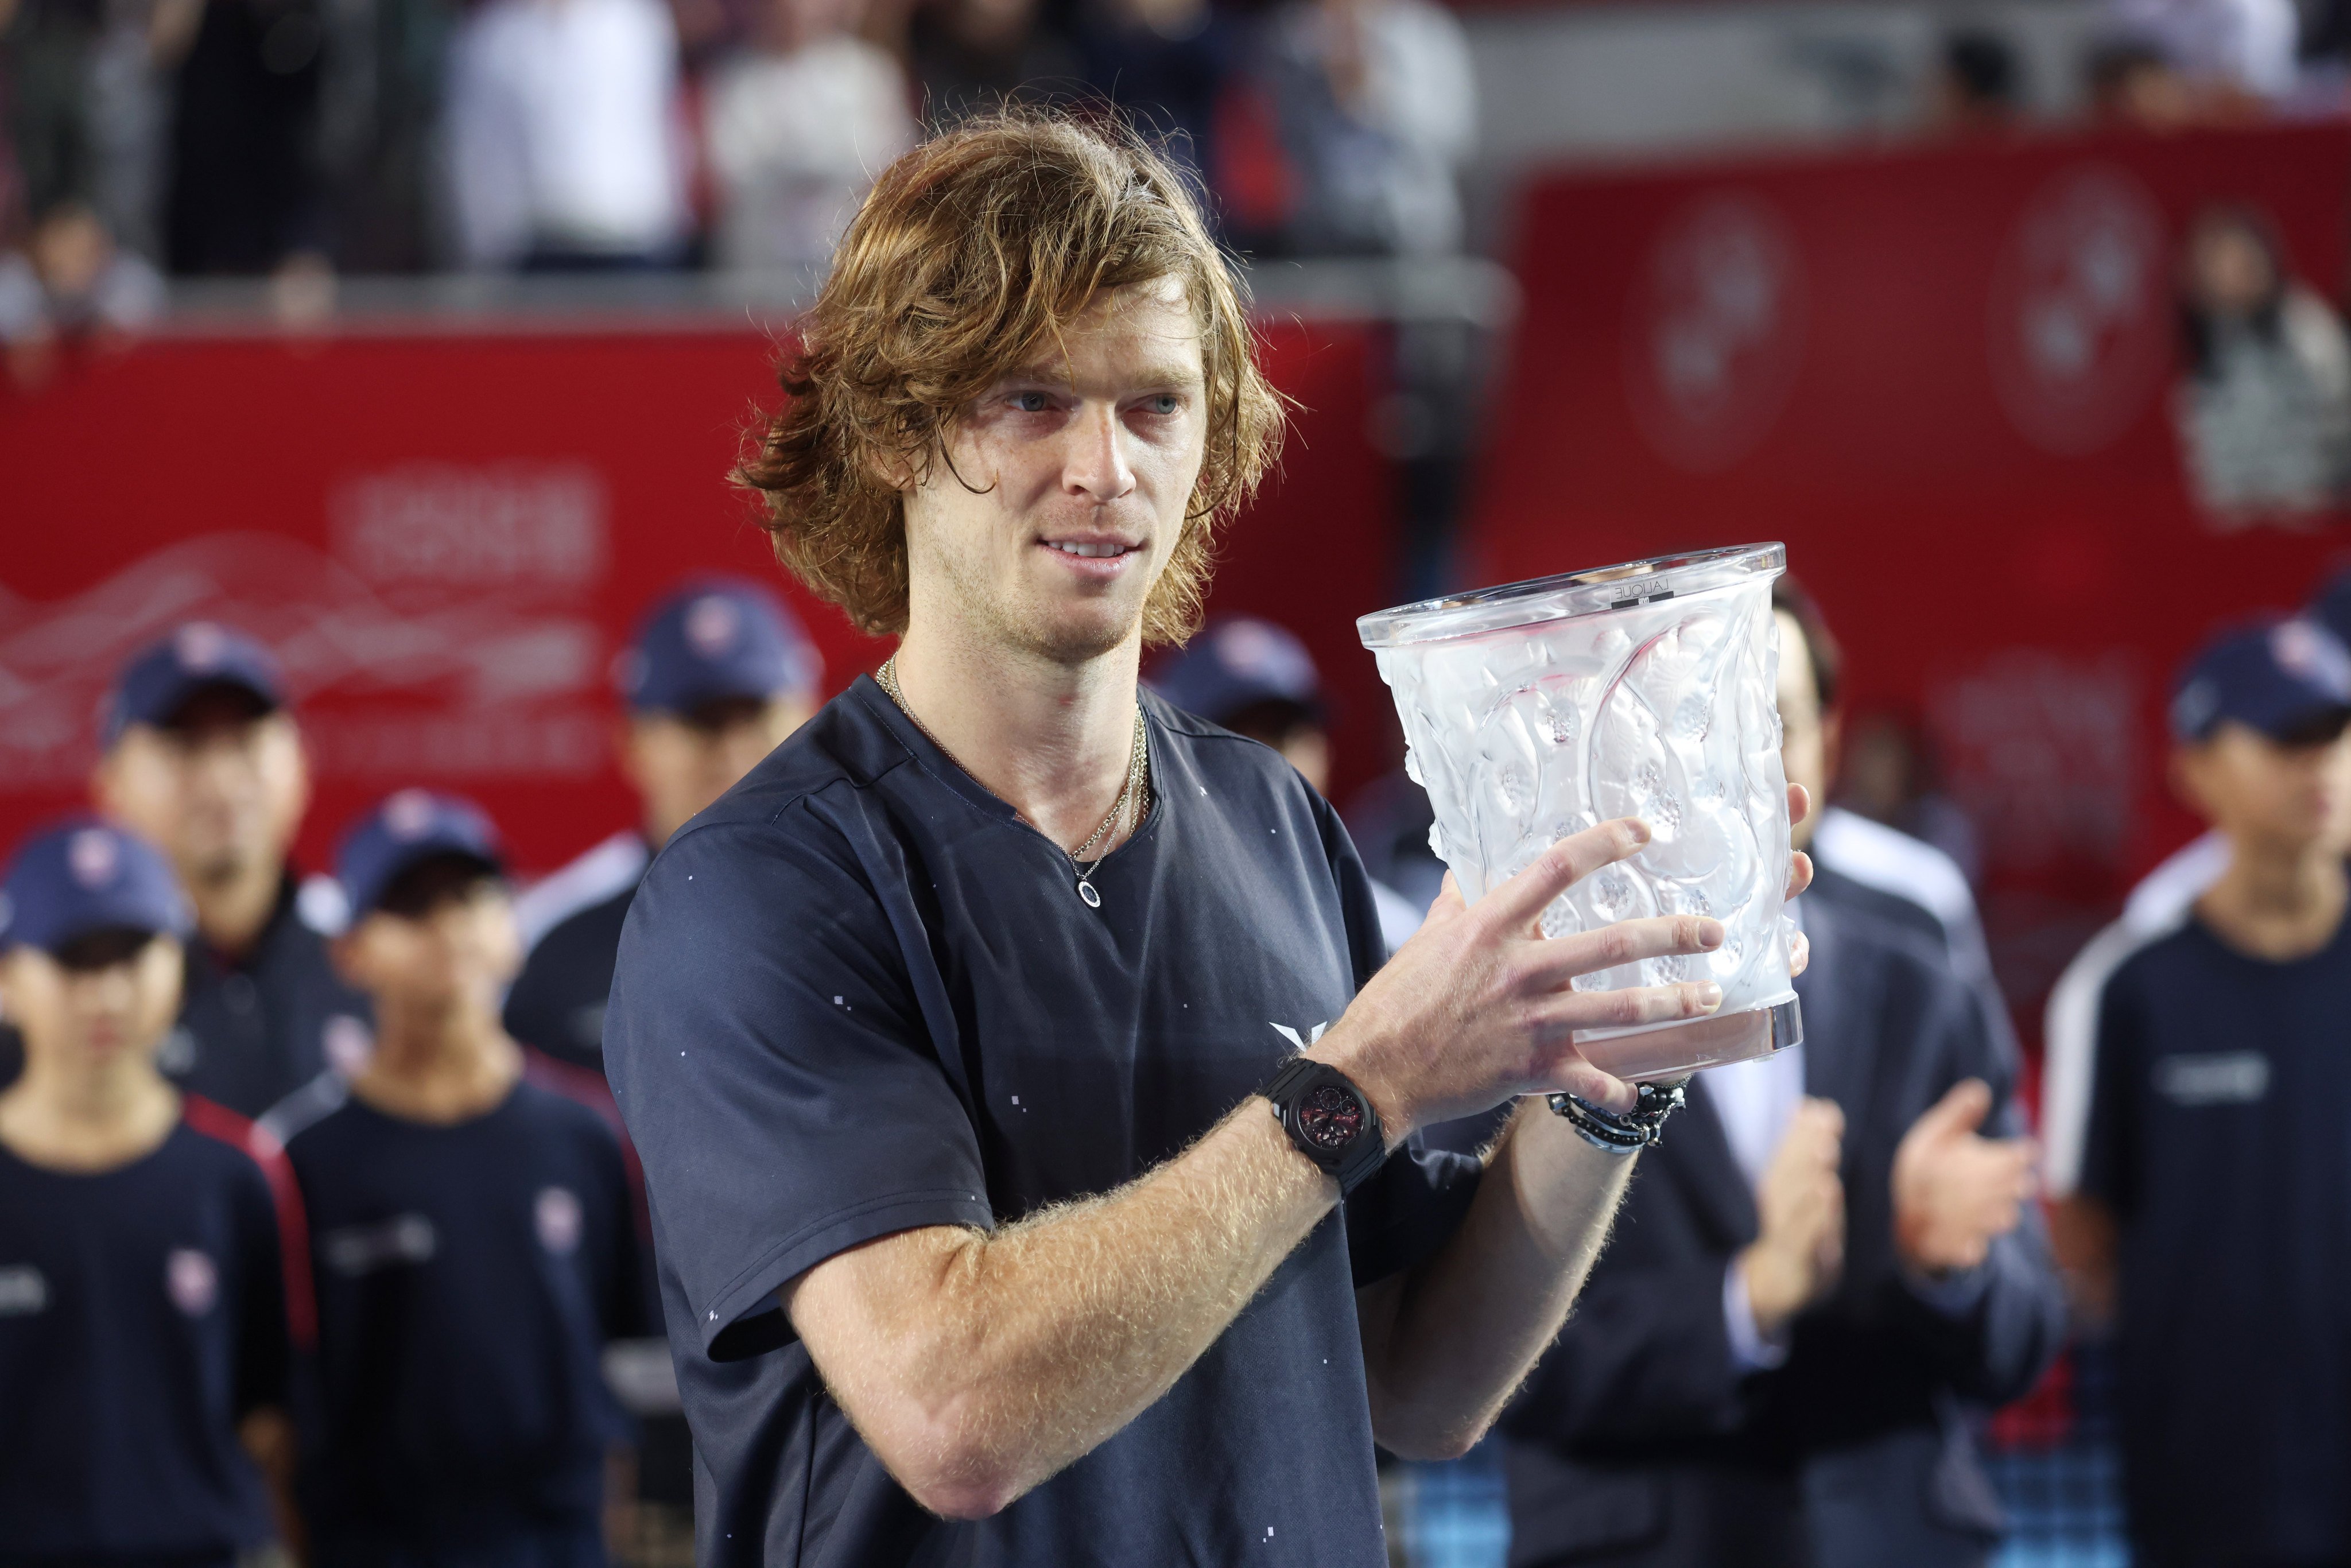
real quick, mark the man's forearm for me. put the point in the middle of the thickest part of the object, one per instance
(998, 1359)
(1445, 1345)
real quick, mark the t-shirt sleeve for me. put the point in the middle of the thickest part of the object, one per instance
(265, 1350)
(1359, 904)
(2107, 1143)
(775, 1071)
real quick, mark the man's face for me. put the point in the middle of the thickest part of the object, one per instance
(442, 937)
(2270, 795)
(1075, 473)
(102, 997)
(680, 763)
(220, 790)
(1803, 732)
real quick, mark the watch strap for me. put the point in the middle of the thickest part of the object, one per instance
(1300, 1080)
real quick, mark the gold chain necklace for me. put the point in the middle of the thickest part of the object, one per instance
(1135, 790)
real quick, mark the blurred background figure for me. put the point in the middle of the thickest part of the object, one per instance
(797, 123)
(1817, 1287)
(2132, 84)
(972, 55)
(1256, 679)
(1978, 86)
(146, 1347)
(1376, 108)
(719, 674)
(1168, 63)
(2237, 56)
(471, 1237)
(203, 760)
(70, 280)
(564, 136)
(1887, 773)
(2264, 405)
(246, 194)
(2195, 1128)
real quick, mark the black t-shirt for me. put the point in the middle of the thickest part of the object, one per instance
(859, 994)
(142, 1315)
(467, 1277)
(557, 1004)
(253, 1031)
(2220, 1135)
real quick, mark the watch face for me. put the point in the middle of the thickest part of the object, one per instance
(1330, 1117)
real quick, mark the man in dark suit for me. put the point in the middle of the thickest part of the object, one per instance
(1817, 1283)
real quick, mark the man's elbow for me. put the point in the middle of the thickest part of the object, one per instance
(948, 1472)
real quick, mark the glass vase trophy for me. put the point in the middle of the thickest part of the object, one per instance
(1645, 690)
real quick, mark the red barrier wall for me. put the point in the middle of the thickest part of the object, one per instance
(1945, 379)
(447, 539)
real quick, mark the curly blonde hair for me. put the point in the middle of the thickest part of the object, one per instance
(972, 250)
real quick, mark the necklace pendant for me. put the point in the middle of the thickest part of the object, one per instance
(1086, 892)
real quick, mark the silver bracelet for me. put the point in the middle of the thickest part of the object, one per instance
(1633, 1130)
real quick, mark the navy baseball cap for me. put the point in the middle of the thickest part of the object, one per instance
(716, 638)
(85, 876)
(1237, 663)
(202, 655)
(403, 832)
(2287, 678)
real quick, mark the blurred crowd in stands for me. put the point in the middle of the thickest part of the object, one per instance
(299, 139)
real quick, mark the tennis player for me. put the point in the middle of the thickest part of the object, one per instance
(1028, 1131)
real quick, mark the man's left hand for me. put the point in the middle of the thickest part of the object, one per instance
(1956, 1191)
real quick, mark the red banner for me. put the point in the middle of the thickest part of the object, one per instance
(447, 539)
(1948, 379)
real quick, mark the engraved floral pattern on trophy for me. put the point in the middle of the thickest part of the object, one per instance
(1660, 709)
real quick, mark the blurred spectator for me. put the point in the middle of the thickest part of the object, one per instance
(796, 126)
(1376, 108)
(1887, 775)
(2227, 49)
(379, 124)
(246, 194)
(2264, 409)
(1978, 85)
(1166, 63)
(70, 279)
(2132, 83)
(971, 56)
(563, 135)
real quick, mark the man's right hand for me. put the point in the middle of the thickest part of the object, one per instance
(1801, 1205)
(1478, 1006)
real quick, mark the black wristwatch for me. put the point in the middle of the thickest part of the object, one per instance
(1329, 1120)
(1631, 1130)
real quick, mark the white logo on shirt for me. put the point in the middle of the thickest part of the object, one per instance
(2226, 1078)
(1300, 1041)
(557, 1215)
(347, 1044)
(191, 1280)
(24, 1290)
(358, 1250)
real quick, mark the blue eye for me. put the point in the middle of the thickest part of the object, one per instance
(1167, 403)
(1031, 402)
